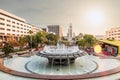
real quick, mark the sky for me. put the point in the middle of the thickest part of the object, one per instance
(87, 16)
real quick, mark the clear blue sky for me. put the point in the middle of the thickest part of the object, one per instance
(86, 16)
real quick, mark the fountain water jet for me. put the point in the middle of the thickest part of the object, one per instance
(63, 55)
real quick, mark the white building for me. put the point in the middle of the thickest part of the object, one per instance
(70, 34)
(13, 27)
(113, 33)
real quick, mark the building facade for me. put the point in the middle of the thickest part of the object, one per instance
(55, 29)
(13, 27)
(70, 33)
(113, 33)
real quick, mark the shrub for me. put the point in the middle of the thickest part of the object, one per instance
(7, 48)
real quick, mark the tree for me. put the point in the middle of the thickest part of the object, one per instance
(89, 40)
(7, 48)
(41, 37)
(51, 39)
(80, 36)
(81, 43)
(22, 41)
(31, 40)
(30, 31)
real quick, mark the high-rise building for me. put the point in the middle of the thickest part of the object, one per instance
(12, 27)
(70, 34)
(55, 29)
(113, 33)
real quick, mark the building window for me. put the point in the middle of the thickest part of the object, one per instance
(13, 26)
(8, 29)
(8, 21)
(13, 22)
(24, 25)
(2, 28)
(8, 33)
(2, 33)
(13, 30)
(17, 23)
(2, 19)
(17, 30)
(18, 27)
(2, 23)
(21, 28)
(8, 25)
(21, 24)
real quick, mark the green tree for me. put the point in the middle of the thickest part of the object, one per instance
(89, 40)
(30, 31)
(80, 36)
(7, 48)
(22, 41)
(81, 43)
(41, 37)
(51, 39)
(31, 40)
(34, 39)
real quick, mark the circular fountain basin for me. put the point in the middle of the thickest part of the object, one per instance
(106, 69)
(41, 66)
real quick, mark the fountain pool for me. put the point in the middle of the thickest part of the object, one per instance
(75, 64)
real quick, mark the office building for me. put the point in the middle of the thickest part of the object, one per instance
(55, 29)
(13, 27)
(113, 33)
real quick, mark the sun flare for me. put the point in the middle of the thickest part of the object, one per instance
(95, 17)
(97, 49)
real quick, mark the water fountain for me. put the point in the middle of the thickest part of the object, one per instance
(61, 60)
(62, 55)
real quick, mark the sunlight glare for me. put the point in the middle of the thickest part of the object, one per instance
(95, 17)
(97, 49)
